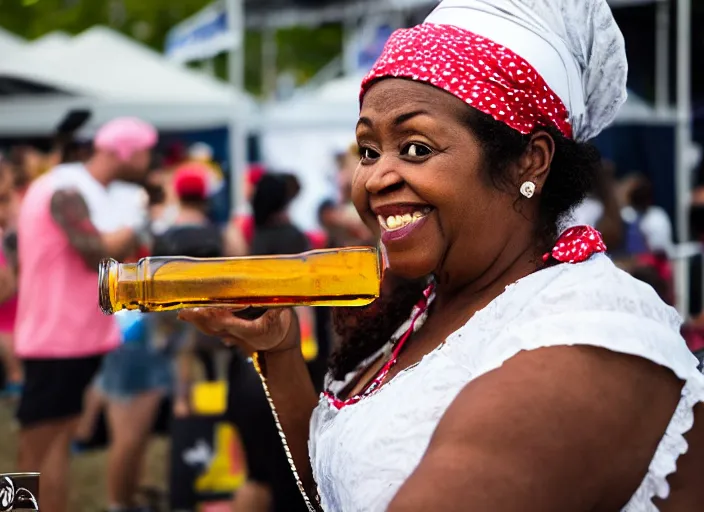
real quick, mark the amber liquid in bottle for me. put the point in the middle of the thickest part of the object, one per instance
(331, 277)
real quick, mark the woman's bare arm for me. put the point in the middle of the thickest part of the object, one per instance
(556, 429)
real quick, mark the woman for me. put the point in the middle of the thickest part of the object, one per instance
(532, 375)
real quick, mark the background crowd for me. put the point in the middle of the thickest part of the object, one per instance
(135, 202)
(78, 389)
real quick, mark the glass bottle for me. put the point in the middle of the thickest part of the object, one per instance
(330, 277)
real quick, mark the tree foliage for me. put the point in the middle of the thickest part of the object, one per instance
(301, 51)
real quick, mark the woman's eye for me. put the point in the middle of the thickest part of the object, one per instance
(368, 154)
(417, 150)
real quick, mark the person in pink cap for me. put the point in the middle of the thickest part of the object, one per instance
(515, 368)
(67, 223)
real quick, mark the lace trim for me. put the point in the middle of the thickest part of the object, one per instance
(672, 446)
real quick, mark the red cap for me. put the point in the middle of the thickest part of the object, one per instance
(191, 180)
(254, 174)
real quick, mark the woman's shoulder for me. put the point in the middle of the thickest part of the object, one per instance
(598, 284)
(595, 288)
(591, 304)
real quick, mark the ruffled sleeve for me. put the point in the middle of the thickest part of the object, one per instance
(594, 304)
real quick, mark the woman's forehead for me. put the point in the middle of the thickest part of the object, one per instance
(393, 96)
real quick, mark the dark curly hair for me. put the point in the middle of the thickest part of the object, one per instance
(573, 172)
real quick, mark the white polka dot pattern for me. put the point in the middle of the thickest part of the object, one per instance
(576, 245)
(483, 74)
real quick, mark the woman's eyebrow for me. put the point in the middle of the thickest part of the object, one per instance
(402, 118)
(408, 116)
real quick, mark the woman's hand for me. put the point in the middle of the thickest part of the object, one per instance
(275, 331)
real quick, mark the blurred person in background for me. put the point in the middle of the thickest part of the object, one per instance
(194, 235)
(647, 237)
(77, 150)
(67, 224)
(270, 486)
(651, 220)
(163, 201)
(164, 211)
(694, 331)
(9, 202)
(274, 232)
(339, 218)
(601, 208)
(34, 161)
(134, 201)
(240, 230)
(134, 378)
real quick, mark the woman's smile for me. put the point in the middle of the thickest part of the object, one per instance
(400, 221)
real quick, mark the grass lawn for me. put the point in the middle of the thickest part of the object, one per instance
(88, 470)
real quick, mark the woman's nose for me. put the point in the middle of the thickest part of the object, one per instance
(383, 177)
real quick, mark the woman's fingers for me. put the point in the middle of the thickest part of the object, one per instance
(261, 324)
(206, 323)
(262, 333)
(203, 319)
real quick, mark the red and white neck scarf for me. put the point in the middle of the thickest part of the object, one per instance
(489, 77)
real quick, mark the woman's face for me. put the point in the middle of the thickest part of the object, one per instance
(421, 185)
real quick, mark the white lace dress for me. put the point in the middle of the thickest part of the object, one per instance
(361, 454)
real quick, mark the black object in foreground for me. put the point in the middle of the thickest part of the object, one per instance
(19, 491)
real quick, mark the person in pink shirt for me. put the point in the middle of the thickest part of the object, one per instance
(67, 223)
(9, 199)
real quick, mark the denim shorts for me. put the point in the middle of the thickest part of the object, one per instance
(133, 369)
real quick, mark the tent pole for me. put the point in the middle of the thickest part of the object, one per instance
(683, 147)
(662, 56)
(237, 128)
(269, 56)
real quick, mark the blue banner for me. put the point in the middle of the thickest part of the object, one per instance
(371, 51)
(203, 36)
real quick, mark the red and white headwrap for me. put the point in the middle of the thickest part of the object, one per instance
(527, 63)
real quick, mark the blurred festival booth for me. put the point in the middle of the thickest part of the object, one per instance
(110, 75)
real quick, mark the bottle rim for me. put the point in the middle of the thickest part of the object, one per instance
(104, 268)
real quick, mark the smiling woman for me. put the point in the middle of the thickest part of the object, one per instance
(427, 160)
(505, 367)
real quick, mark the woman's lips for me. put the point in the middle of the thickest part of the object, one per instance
(391, 233)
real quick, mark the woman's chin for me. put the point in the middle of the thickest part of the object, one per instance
(409, 268)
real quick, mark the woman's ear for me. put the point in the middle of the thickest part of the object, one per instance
(534, 164)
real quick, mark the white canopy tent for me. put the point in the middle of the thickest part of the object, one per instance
(112, 75)
(9, 41)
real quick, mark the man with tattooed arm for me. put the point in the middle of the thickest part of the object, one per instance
(67, 223)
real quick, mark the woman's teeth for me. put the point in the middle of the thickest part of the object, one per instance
(394, 222)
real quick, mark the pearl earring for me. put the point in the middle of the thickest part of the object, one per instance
(528, 189)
